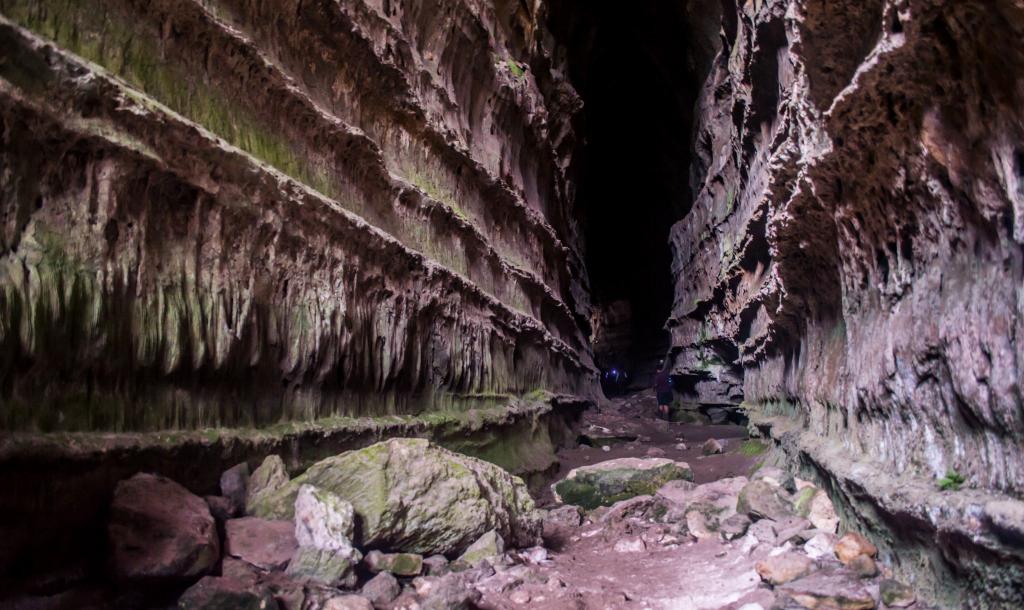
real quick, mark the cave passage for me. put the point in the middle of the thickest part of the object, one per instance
(636, 75)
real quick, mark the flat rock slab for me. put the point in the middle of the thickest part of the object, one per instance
(264, 543)
(159, 530)
(608, 482)
(833, 589)
(221, 593)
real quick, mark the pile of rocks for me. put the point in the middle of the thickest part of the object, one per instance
(399, 524)
(785, 526)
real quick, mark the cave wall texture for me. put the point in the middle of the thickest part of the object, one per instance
(245, 212)
(853, 260)
(237, 212)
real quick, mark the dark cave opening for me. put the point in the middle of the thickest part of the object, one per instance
(638, 72)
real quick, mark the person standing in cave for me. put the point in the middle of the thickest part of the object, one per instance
(663, 390)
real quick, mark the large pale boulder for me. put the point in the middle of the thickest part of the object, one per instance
(159, 530)
(323, 520)
(761, 500)
(411, 495)
(608, 482)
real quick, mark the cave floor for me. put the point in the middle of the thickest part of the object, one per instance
(591, 568)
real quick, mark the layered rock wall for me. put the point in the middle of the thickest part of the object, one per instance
(224, 213)
(854, 257)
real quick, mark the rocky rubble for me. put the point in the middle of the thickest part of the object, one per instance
(311, 558)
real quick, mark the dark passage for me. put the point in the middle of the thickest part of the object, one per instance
(637, 73)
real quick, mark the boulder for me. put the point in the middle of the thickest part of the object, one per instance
(234, 485)
(649, 508)
(381, 589)
(324, 521)
(347, 602)
(563, 516)
(734, 527)
(761, 500)
(701, 526)
(822, 514)
(264, 483)
(851, 545)
(266, 544)
(821, 545)
(324, 567)
(830, 589)
(451, 592)
(791, 529)
(608, 482)
(436, 565)
(412, 495)
(784, 568)
(239, 570)
(158, 530)
(400, 564)
(488, 546)
(864, 566)
(221, 593)
(712, 446)
(776, 476)
(220, 507)
(717, 498)
(896, 594)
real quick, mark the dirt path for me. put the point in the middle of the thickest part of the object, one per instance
(594, 566)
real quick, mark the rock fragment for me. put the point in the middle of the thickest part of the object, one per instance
(896, 594)
(487, 547)
(265, 481)
(852, 545)
(399, 564)
(264, 543)
(712, 446)
(381, 589)
(222, 593)
(234, 485)
(784, 568)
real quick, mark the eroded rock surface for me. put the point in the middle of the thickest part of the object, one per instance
(853, 261)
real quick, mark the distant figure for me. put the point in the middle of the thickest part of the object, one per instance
(663, 389)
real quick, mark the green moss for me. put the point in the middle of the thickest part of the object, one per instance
(592, 488)
(753, 448)
(952, 481)
(802, 502)
(516, 70)
(130, 49)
